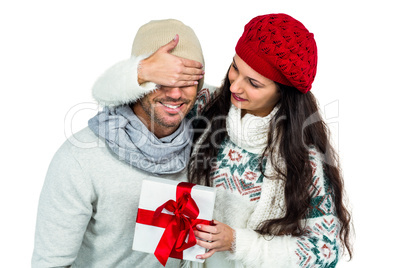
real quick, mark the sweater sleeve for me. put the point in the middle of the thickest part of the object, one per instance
(118, 85)
(318, 247)
(65, 208)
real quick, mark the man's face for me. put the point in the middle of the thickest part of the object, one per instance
(166, 107)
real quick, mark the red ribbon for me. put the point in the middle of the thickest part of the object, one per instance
(177, 227)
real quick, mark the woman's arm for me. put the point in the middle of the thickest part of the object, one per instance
(119, 84)
(131, 79)
(319, 246)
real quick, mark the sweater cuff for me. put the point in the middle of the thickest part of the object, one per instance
(119, 84)
(242, 243)
(138, 91)
(255, 250)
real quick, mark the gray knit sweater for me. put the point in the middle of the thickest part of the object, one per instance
(88, 208)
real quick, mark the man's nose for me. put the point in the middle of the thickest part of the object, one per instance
(173, 92)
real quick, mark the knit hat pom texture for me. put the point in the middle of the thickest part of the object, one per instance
(280, 48)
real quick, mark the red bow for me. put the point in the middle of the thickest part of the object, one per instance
(177, 227)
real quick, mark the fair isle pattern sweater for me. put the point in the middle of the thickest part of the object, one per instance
(238, 168)
(245, 198)
(319, 247)
(237, 171)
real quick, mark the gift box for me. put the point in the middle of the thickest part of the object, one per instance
(167, 215)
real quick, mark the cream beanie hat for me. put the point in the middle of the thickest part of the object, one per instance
(156, 33)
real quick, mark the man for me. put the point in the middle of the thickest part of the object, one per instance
(89, 201)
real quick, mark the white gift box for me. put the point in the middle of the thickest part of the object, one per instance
(154, 193)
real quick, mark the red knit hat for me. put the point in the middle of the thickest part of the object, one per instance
(280, 48)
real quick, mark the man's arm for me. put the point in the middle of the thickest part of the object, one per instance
(65, 208)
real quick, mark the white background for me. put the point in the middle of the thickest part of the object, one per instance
(51, 52)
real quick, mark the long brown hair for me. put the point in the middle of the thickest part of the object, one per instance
(298, 125)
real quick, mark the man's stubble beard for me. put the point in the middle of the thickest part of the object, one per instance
(147, 106)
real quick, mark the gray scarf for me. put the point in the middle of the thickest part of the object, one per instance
(132, 142)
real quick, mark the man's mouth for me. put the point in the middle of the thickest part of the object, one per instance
(171, 106)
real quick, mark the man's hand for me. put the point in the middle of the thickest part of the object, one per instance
(165, 69)
(214, 238)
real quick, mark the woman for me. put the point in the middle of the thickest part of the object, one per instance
(266, 150)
